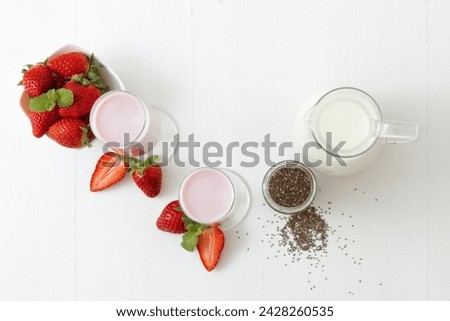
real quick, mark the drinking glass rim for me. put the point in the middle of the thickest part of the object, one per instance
(232, 187)
(144, 108)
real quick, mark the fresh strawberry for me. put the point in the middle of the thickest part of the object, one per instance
(59, 81)
(37, 80)
(210, 245)
(83, 99)
(110, 169)
(69, 132)
(69, 64)
(41, 121)
(147, 176)
(170, 219)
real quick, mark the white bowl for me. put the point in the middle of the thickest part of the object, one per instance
(112, 81)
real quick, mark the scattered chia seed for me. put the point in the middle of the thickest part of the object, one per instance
(306, 231)
(306, 237)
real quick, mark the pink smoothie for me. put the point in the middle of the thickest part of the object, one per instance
(117, 113)
(206, 195)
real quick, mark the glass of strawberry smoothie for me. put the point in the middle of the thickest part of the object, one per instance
(126, 124)
(214, 196)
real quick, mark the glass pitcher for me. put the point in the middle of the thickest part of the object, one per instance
(342, 130)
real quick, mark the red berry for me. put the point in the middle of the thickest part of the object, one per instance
(149, 180)
(83, 99)
(69, 64)
(210, 245)
(41, 121)
(110, 170)
(69, 132)
(37, 80)
(170, 219)
(59, 81)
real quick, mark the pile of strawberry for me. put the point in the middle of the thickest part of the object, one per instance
(62, 91)
(208, 239)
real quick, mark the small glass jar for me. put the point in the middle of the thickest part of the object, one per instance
(294, 209)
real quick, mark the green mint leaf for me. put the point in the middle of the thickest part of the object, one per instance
(50, 106)
(190, 238)
(64, 97)
(41, 103)
(51, 95)
(189, 241)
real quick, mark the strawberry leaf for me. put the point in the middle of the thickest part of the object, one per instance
(64, 97)
(133, 164)
(85, 141)
(93, 74)
(187, 221)
(151, 161)
(41, 103)
(81, 79)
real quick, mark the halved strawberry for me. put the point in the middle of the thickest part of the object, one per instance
(210, 245)
(110, 170)
(170, 219)
(69, 64)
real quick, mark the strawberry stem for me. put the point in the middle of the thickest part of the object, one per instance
(85, 141)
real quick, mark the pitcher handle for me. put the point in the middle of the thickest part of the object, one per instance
(397, 132)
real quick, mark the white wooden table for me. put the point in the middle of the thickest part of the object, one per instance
(231, 70)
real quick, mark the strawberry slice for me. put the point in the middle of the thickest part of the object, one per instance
(110, 169)
(210, 245)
